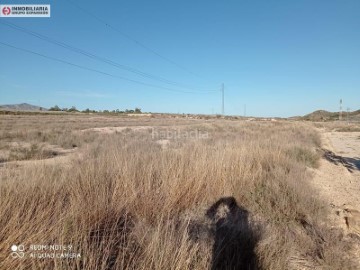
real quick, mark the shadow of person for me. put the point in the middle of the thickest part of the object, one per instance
(235, 240)
(351, 164)
(354, 161)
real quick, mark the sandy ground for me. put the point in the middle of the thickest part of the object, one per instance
(64, 157)
(338, 183)
(114, 129)
(110, 130)
(347, 144)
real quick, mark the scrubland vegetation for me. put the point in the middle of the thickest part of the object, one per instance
(238, 199)
(339, 126)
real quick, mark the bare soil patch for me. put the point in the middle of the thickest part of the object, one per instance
(111, 130)
(338, 181)
(27, 154)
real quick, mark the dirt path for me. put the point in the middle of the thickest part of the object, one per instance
(64, 157)
(338, 182)
(338, 176)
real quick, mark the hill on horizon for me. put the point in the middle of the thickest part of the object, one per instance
(22, 107)
(323, 115)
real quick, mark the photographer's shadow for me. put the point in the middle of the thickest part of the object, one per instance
(235, 239)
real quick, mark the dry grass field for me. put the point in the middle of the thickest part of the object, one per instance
(164, 193)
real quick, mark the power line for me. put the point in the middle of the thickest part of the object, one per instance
(95, 70)
(93, 56)
(131, 38)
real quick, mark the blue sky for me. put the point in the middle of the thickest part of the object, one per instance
(280, 58)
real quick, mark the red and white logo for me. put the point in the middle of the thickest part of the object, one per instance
(6, 11)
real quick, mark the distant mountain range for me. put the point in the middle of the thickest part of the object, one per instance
(22, 107)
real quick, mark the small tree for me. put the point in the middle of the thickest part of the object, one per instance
(55, 108)
(137, 110)
(72, 109)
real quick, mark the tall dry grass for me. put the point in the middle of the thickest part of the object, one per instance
(130, 203)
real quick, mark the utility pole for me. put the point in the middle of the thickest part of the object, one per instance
(223, 93)
(340, 113)
(347, 115)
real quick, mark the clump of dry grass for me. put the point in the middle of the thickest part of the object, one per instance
(351, 128)
(129, 203)
(307, 156)
(32, 151)
(339, 126)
